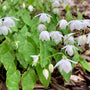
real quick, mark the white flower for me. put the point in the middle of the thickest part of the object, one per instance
(46, 73)
(65, 1)
(76, 24)
(4, 8)
(23, 5)
(69, 39)
(55, 4)
(35, 59)
(86, 23)
(44, 35)
(9, 22)
(30, 8)
(5, 24)
(51, 68)
(4, 30)
(65, 65)
(88, 39)
(44, 17)
(62, 24)
(56, 11)
(56, 36)
(41, 27)
(70, 49)
(81, 40)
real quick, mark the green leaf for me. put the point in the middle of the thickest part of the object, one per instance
(80, 17)
(31, 1)
(26, 18)
(69, 16)
(41, 76)
(84, 64)
(13, 78)
(24, 31)
(28, 79)
(25, 47)
(66, 75)
(21, 60)
(6, 54)
(44, 53)
(67, 8)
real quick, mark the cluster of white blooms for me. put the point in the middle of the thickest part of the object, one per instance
(30, 8)
(79, 24)
(46, 73)
(74, 24)
(56, 5)
(65, 65)
(56, 36)
(70, 49)
(44, 35)
(5, 24)
(35, 59)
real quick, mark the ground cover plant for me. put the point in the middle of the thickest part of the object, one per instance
(36, 41)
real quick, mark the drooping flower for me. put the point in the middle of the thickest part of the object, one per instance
(76, 24)
(41, 27)
(30, 8)
(4, 30)
(81, 40)
(9, 22)
(65, 65)
(86, 23)
(68, 39)
(56, 36)
(66, 1)
(55, 4)
(5, 24)
(62, 24)
(44, 17)
(70, 49)
(46, 73)
(56, 11)
(35, 59)
(88, 39)
(51, 68)
(44, 35)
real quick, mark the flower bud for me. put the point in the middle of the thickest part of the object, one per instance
(23, 5)
(30, 8)
(46, 73)
(51, 68)
(4, 8)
